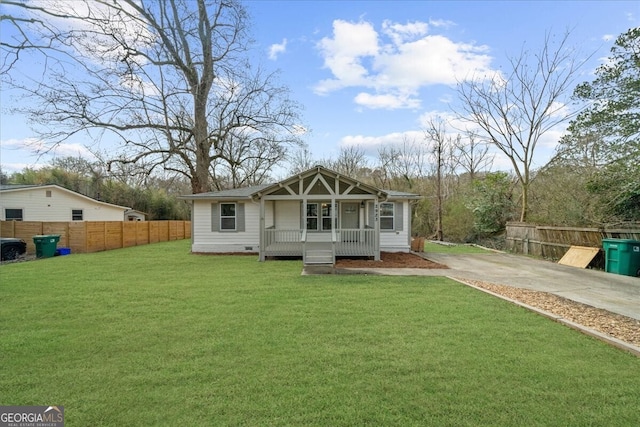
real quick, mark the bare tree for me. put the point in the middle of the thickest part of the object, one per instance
(168, 81)
(514, 110)
(400, 166)
(471, 154)
(301, 160)
(351, 161)
(441, 148)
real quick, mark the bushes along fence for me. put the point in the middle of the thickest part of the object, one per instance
(96, 236)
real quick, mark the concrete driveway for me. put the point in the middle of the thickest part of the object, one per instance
(612, 292)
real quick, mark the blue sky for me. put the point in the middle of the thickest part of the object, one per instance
(369, 73)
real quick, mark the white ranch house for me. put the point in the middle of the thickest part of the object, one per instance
(54, 203)
(318, 215)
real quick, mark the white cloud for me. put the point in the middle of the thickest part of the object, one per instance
(35, 146)
(371, 144)
(395, 71)
(386, 101)
(343, 54)
(276, 49)
(400, 33)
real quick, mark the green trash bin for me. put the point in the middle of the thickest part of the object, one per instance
(46, 245)
(622, 256)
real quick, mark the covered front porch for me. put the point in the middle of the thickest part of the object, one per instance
(318, 217)
(322, 248)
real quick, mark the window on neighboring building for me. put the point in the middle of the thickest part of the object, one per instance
(13, 214)
(76, 215)
(227, 216)
(386, 216)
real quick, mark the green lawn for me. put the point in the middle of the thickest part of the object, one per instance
(156, 336)
(452, 249)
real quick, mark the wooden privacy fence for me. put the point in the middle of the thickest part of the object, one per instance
(553, 242)
(96, 236)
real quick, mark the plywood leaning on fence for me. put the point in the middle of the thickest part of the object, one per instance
(579, 256)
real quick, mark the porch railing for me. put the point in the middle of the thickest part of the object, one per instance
(346, 242)
(279, 242)
(355, 242)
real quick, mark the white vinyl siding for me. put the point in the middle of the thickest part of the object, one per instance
(397, 240)
(206, 238)
(36, 205)
(287, 214)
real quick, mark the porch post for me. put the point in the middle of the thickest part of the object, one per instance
(376, 216)
(262, 230)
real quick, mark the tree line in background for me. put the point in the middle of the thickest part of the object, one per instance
(170, 84)
(593, 179)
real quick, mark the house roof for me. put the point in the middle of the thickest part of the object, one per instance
(11, 188)
(260, 190)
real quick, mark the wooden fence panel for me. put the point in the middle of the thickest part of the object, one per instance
(26, 230)
(553, 242)
(78, 237)
(59, 228)
(153, 232)
(96, 236)
(113, 235)
(142, 232)
(129, 234)
(163, 231)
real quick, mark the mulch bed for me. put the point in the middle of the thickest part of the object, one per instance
(389, 260)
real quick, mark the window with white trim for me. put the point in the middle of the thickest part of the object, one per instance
(326, 216)
(387, 216)
(227, 216)
(312, 216)
(319, 216)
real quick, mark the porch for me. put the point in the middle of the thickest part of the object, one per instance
(320, 248)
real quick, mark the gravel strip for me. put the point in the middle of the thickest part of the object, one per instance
(621, 327)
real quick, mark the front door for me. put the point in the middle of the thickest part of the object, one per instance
(350, 215)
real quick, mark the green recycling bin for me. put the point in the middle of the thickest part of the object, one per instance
(46, 245)
(622, 256)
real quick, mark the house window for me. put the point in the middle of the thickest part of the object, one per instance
(319, 216)
(48, 193)
(386, 216)
(312, 216)
(227, 216)
(76, 215)
(13, 214)
(326, 216)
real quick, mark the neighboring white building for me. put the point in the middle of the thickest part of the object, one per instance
(318, 214)
(54, 203)
(133, 215)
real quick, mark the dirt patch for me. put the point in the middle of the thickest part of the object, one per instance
(390, 260)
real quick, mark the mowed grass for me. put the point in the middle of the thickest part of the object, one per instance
(156, 336)
(453, 249)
